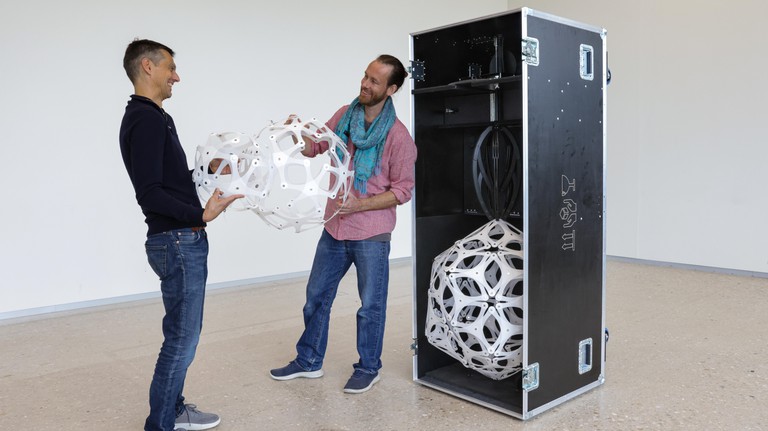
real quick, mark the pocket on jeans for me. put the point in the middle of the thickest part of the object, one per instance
(157, 257)
(187, 237)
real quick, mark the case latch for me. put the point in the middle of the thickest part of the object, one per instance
(530, 51)
(586, 62)
(531, 377)
(585, 355)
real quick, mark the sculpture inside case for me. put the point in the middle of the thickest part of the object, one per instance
(475, 300)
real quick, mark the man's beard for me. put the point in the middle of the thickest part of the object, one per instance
(374, 99)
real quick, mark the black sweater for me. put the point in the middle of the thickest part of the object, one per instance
(158, 168)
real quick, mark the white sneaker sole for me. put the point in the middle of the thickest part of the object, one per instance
(197, 427)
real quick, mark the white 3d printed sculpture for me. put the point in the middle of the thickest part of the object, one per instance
(243, 169)
(475, 309)
(302, 185)
(280, 184)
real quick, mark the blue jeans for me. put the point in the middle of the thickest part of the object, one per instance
(180, 259)
(332, 260)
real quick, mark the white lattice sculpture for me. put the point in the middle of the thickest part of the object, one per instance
(302, 185)
(244, 169)
(475, 300)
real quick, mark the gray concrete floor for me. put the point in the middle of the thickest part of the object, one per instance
(687, 352)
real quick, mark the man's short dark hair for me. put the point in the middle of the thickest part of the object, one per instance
(397, 77)
(139, 49)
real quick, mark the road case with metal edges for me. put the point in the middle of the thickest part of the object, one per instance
(509, 117)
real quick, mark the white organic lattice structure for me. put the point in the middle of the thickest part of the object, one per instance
(302, 185)
(475, 306)
(243, 170)
(280, 184)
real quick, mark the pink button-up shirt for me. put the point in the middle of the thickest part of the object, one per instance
(397, 176)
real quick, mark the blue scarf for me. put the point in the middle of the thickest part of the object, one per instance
(369, 144)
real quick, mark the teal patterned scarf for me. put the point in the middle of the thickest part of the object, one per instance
(369, 144)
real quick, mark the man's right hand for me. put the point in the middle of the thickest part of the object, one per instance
(217, 204)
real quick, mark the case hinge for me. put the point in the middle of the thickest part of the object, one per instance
(417, 70)
(531, 377)
(530, 51)
(415, 347)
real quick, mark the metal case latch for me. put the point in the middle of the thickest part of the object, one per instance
(417, 70)
(530, 51)
(586, 62)
(531, 377)
(585, 355)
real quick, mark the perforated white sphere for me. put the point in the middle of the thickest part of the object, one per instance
(244, 169)
(302, 185)
(475, 309)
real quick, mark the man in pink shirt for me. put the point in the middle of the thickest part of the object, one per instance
(383, 156)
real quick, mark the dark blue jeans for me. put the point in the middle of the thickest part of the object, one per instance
(180, 259)
(332, 260)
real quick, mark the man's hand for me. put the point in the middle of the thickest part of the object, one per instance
(217, 204)
(308, 139)
(355, 204)
(352, 205)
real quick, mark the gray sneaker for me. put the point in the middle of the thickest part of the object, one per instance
(192, 419)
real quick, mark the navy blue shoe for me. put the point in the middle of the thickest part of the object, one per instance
(360, 382)
(292, 371)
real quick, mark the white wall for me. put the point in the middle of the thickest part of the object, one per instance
(687, 128)
(71, 230)
(686, 125)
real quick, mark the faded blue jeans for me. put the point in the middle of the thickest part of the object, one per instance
(180, 259)
(333, 259)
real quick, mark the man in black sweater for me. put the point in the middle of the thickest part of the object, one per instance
(177, 244)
